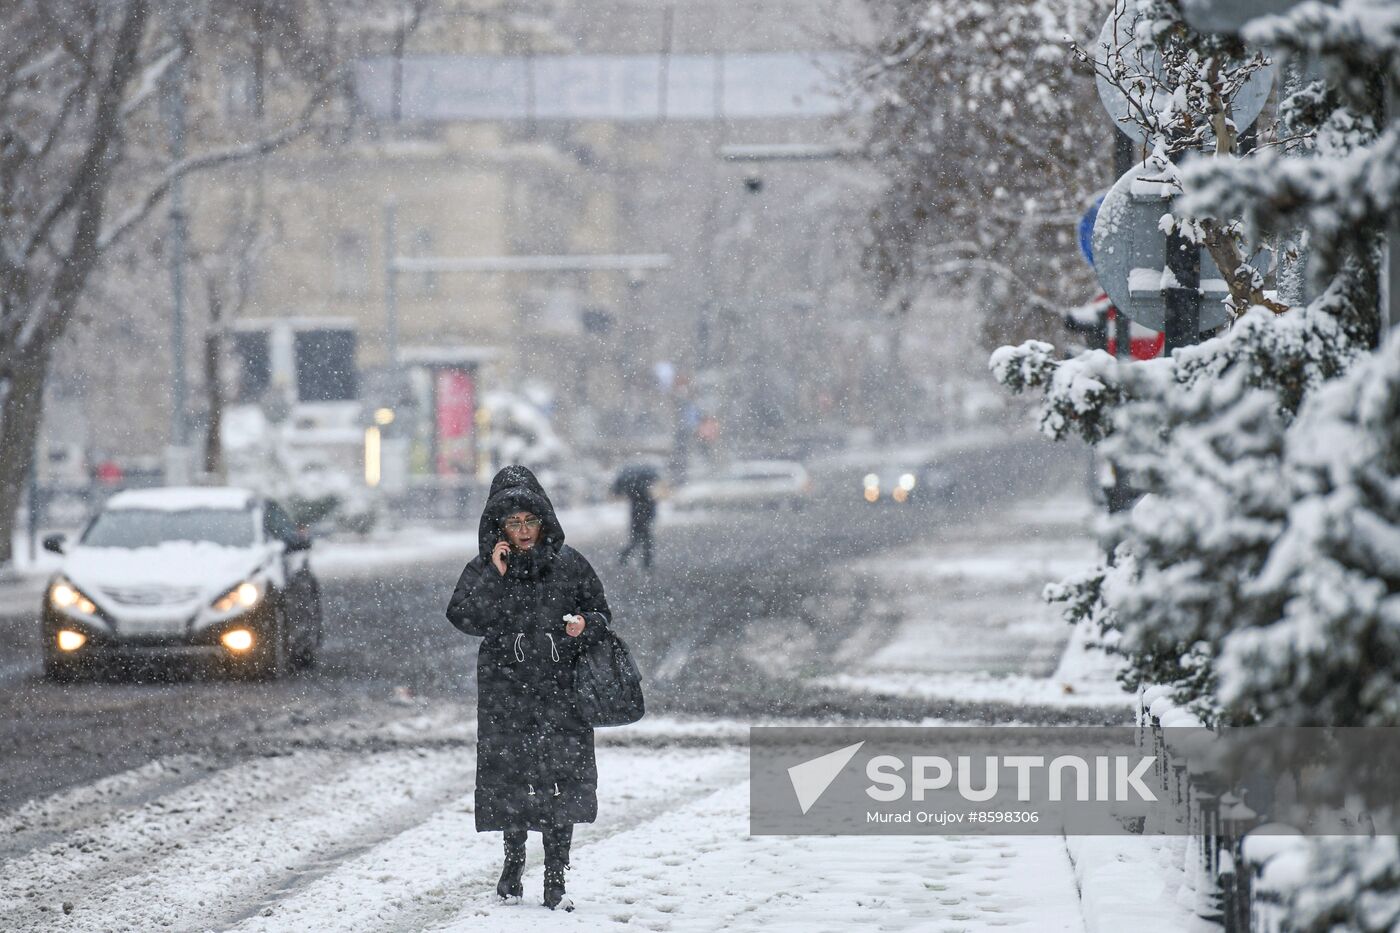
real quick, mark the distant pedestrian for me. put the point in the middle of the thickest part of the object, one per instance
(637, 485)
(537, 605)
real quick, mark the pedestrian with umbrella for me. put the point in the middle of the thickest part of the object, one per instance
(636, 484)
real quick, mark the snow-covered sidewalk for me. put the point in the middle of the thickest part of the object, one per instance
(695, 868)
(972, 626)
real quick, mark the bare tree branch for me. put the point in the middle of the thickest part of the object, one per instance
(151, 77)
(951, 266)
(91, 176)
(209, 160)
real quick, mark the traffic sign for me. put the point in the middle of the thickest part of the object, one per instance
(1086, 230)
(1213, 16)
(1130, 250)
(1118, 33)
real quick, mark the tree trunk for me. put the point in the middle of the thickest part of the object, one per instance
(21, 414)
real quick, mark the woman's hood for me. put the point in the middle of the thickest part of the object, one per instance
(515, 489)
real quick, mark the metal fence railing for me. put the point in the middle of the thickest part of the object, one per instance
(1215, 865)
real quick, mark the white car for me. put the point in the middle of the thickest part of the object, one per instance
(215, 572)
(780, 483)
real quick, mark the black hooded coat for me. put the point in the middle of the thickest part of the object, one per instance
(535, 766)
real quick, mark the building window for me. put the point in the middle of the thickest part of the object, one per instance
(325, 361)
(350, 265)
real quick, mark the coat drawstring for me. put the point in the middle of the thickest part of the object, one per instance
(520, 653)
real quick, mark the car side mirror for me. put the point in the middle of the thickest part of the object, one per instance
(54, 543)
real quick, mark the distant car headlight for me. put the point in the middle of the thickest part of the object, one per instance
(243, 596)
(872, 487)
(906, 482)
(66, 597)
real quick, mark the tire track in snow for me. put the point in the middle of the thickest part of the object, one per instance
(195, 858)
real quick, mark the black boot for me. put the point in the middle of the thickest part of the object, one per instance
(556, 858)
(510, 887)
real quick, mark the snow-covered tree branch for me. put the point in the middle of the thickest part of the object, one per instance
(977, 124)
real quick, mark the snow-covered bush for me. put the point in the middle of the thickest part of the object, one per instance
(519, 431)
(1327, 650)
(1343, 883)
(1258, 579)
(1205, 433)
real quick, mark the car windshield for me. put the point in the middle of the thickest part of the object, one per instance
(132, 528)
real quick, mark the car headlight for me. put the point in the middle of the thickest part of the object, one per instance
(906, 482)
(243, 596)
(64, 596)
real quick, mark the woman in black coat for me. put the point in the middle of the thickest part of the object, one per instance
(536, 603)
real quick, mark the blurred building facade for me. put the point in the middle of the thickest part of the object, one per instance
(566, 128)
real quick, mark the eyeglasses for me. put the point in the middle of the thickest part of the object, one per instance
(516, 524)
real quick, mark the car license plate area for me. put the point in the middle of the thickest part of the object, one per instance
(151, 628)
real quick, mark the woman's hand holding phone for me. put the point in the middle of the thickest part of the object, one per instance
(498, 556)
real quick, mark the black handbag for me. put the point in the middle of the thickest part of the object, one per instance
(607, 684)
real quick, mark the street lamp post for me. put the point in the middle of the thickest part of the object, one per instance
(173, 98)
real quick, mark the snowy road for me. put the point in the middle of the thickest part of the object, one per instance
(341, 798)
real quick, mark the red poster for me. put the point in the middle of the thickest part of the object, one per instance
(456, 422)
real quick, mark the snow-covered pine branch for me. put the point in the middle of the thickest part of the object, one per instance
(1331, 652)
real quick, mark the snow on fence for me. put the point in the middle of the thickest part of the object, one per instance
(1232, 876)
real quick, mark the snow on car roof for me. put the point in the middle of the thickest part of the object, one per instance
(183, 498)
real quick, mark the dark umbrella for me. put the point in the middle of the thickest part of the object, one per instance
(635, 478)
